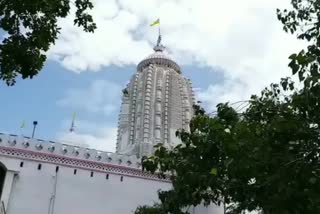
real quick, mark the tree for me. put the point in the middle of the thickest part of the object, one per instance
(266, 158)
(304, 21)
(31, 28)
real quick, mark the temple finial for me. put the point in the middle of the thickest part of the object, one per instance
(159, 46)
(159, 39)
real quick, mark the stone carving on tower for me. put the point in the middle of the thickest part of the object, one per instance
(157, 102)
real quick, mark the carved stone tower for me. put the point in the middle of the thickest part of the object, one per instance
(157, 101)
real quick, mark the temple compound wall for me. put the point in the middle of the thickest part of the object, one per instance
(41, 177)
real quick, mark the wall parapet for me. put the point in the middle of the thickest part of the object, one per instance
(22, 147)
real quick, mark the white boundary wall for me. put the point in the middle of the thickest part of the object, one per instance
(42, 180)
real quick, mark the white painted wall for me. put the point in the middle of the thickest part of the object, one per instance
(32, 190)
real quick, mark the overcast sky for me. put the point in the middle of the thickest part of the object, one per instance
(230, 49)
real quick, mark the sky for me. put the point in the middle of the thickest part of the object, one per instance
(229, 49)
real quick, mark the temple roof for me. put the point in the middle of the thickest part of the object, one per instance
(159, 54)
(159, 57)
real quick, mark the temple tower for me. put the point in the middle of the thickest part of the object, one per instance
(156, 102)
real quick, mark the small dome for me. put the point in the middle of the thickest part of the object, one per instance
(159, 57)
(159, 54)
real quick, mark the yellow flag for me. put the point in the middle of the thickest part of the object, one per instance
(155, 23)
(23, 124)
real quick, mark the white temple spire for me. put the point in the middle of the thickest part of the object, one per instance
(158, 102)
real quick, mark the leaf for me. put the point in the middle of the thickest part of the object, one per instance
(294, 66)
(301, 77)
(292, 56)
(291, 86)
(284, 84)
(214, 171)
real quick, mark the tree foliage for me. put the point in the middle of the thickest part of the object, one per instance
(304, 21)
(30, 28)
(265, 158)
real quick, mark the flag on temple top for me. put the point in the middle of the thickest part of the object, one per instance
(155, 23)
(23, 124)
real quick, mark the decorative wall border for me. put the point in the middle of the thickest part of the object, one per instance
(21, 147)
(77, 163)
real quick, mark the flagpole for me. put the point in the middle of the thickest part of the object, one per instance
(35, 123)
(21, 132)
(23, 125)
(159, 36)
(157, 22)
(72, 122)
